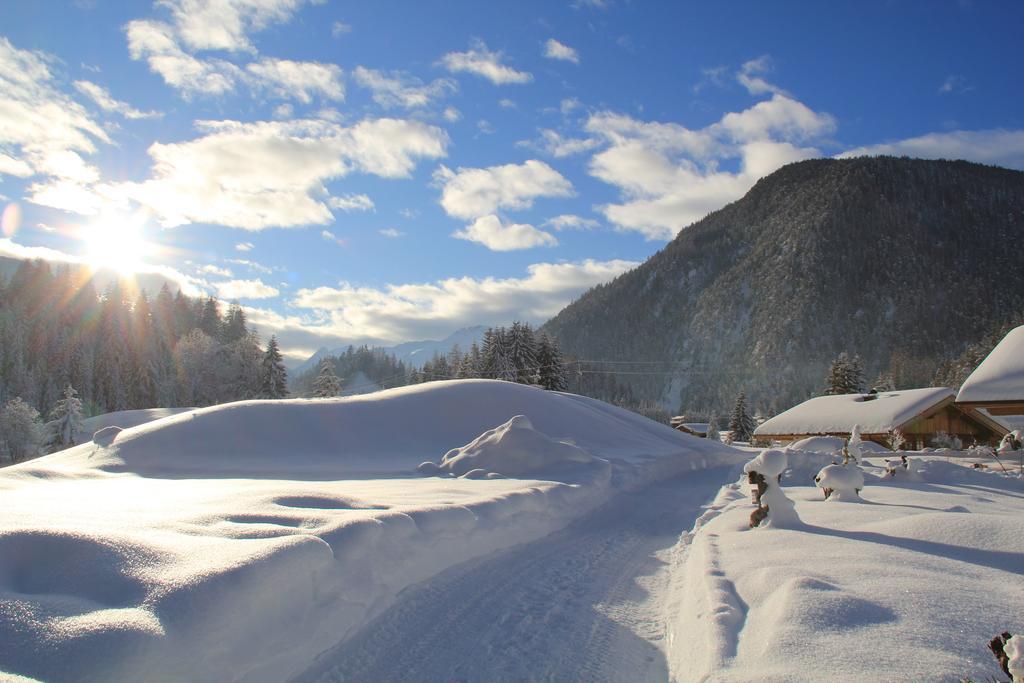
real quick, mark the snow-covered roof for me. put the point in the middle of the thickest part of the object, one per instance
(700, 427)
(1000, 377)
(838, 414)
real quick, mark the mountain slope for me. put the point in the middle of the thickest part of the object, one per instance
(413, 354)
(903, 261)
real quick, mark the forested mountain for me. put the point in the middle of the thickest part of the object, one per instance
(119, 348)
(904, 262)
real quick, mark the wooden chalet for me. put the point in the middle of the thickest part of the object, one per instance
(695, 428)
(995, 390)
(919, 414)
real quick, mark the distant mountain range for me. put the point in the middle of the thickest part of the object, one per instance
(902, 261)
(414, 354)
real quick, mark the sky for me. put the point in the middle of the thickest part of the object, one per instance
(389, 171)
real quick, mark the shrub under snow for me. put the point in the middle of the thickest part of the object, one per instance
(775, 509)
(1014, 649)
(840, 483)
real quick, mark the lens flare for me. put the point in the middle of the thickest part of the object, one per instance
(116, 243)
(10, 221)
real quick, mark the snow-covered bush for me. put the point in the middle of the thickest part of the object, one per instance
(853, 451)
(895, 439)
(840, 483)
(774, 508)
(21, 433)
(897, 467)
(946, 440)
(1014, 649)
(1011, 442)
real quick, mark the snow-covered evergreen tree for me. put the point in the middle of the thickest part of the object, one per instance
(65, 421)
(741, 425)
(853, 447)
(713, 434)
(275, 377)
(845, 375)
(550, 371)
(326, 383)
(21, 432)
(522, 353)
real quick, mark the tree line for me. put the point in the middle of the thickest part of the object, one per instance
(120, 350)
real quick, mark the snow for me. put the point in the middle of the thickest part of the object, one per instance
(513, 449)
(124, 419)
(839, 414)
(769, 462)
(1000, 377)
(1014, 649)
(841, 483)
(909, 585)
(239, 542)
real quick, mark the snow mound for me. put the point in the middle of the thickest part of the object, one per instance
(126, 419)
(370, 435)
(770, 462)
(106, 436)
(819, 444)
(842, 482)
(513, 449)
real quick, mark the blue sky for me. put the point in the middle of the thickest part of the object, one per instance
(386, 171)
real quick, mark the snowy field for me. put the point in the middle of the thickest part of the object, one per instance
(550, 537)
(239, 542)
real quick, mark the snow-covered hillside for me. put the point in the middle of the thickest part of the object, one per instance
(238, 542)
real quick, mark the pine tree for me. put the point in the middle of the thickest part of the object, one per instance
(522, 353)
(20, 431)
(326, 383)
(65, 421)
(713, 434)
(845, 375)
(275, 377)
(741, 425)
(550, 371)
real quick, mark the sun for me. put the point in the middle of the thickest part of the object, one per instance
(118, 244)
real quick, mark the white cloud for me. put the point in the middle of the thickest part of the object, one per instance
(482, 62)
(552, 142)
(285, 79)
(749, 76)
(245, 289)
(284, 111)
(253, 266)
(568, 104)
(351, 202)
(391, 232)
(400, 312)
(272, 173)
(42, 131)
(104, 101)
(955, 84)
(506, 103)
(339, 29)
(571, 222)
(496, 236)
(211, 269)
(473, 192)
(556, 50)
(400, 90)
(155, 42)
(451, 114)
(226, 24)
(669, 175)
(244, 246)
(329, 236)
(995, 146)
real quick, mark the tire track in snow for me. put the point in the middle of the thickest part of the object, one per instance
(566, 607)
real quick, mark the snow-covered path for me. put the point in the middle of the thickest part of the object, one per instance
(584, 604)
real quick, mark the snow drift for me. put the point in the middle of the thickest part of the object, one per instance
(238, 542)
(513, 449)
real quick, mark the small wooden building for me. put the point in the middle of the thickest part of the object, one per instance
(995, 390)
(919, 414)
(695, 428)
